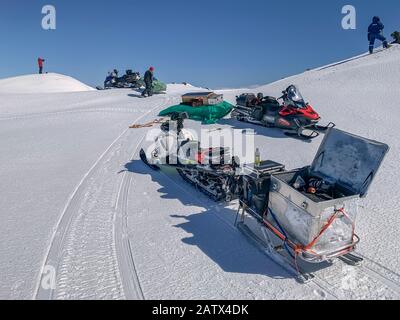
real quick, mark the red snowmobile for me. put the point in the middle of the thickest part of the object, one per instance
(296, 117)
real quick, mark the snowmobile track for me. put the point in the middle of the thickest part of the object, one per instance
(364, 55)
(130, 278)
(379, 272)
(345, 281)
(87, 250)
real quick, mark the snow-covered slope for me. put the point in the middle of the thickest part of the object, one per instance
(42, 83)
(76, 197)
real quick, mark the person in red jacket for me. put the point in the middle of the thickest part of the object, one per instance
(40, 63)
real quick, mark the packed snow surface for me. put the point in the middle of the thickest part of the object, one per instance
(42, 83)
(77, 200)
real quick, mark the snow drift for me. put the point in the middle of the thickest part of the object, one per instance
(42, 83)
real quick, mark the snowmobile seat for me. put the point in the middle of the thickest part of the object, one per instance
(245, 99)
(215, 156)
(271, 104)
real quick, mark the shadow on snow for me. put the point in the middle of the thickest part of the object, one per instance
(212, 230)
(275, 133)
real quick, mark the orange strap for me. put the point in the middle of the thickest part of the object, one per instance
(298, 249)
(147, 125)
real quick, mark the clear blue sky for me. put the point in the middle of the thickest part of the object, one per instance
(220, 43)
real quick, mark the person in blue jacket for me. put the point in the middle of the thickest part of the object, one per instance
(375, 32)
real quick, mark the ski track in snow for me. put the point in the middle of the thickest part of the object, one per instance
(84, 249)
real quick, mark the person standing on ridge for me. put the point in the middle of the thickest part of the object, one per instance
(148, 80)
(375, 32)
(40, 64)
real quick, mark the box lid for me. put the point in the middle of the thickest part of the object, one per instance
(197, 94)
(349, 160)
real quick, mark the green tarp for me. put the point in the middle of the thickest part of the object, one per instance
(158, 86)
(205, 114)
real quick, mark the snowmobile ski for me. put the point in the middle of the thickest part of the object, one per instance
(352, 259)
(144, 159)
(320, 128)
(305, 137)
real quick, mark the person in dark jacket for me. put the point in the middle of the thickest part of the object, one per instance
(148, 80)
(375, 32)
(40, 65)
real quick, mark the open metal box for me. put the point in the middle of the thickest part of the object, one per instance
(348, 162)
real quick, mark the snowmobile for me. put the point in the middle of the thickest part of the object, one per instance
(212, 171)
(296, 117)
(304, 219)
(129, 80)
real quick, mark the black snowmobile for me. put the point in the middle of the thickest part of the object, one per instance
(296, 117)
(130, 80)
(212, 171)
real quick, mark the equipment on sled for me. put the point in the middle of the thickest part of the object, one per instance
(306, 217)
(296, 117)
(212, 171)
(197, 99)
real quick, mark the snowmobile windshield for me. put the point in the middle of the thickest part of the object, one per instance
(293, 94)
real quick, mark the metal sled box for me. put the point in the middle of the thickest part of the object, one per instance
(208, 98)
(267, 167)
(345, 160)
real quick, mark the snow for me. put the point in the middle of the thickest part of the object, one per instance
(42, 83)
(76, 197)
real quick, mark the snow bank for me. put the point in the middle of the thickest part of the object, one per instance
(179, 88)
(42, 83)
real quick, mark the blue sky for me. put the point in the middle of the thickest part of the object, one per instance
(220, 43)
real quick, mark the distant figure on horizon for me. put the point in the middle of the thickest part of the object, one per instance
(396, 37)
(375, 31)
(148, 80)
(40, 64)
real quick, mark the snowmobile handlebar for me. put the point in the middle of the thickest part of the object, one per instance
(176, 116)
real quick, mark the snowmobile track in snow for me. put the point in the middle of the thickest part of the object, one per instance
(130, 278)
(346, 281)
(90, 250)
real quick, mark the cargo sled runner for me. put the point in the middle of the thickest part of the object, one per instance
(306, 217)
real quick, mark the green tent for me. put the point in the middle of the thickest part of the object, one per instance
(205, 114)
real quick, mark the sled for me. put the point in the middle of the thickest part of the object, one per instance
(313, 228)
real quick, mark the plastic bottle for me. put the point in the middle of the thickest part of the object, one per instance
(257, 161)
